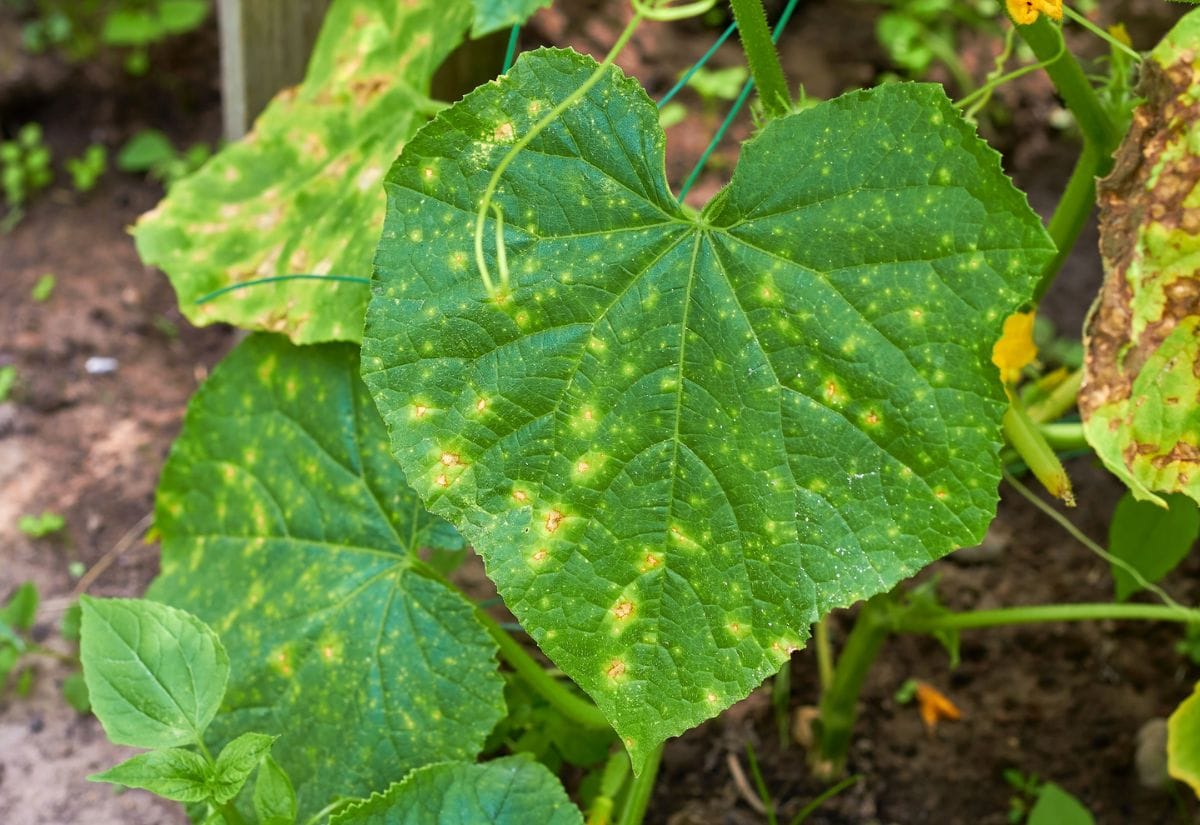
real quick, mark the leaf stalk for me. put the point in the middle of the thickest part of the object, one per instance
(764, 63)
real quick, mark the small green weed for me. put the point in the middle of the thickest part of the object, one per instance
(44, 288)
(152, 153)
(41, 526)
(25, 170)
(8, 378)
(87, 169)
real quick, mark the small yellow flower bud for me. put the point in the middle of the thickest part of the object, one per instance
(1015, 349)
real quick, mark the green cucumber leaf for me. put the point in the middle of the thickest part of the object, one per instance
(155, 675)
(683, 438)
(1183, 741)
(301, 194)
(1151, 539)
(1140, 399)
(236, 762)
(274, 796)
(281, 490)
(514, 790)
(493, 15)
(172, 773)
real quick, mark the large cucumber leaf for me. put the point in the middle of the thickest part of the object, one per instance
(302, 194)
(685, 437)
(514, 790)
(1141, 393)
(288, 527)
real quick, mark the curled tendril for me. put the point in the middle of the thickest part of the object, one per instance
(642, 10)
(668, 11)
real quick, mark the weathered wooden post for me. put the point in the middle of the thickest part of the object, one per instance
(265, 45)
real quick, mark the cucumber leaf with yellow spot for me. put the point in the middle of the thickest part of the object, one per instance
(1140, 399)
(302, 194)
(515, 790)
(493, 15)
(288, 527)
(682, 438)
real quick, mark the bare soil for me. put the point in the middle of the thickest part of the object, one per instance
(1062, 701)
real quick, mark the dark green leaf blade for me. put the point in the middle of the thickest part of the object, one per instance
(172, 773)
(514, 790)
(236, 762)
(682, 439)
(155, 675)
(281, 488)
(1150, 538)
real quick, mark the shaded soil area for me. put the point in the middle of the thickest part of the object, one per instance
(1063, 702)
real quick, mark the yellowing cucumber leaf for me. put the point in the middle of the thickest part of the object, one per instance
(684, 437)
(493, 15)
(302, 194)
(1140, 399)
(288, 527)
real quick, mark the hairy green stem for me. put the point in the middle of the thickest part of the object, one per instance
(1064, 435)
(1100, 138)
(765, 67)
(839, 704)
(616, 772)
(1060, 399)
(1073, 210)
(640, 791)
(1037, 614)
(574, 707)
(781, 697)
(1046, 41)
(824, 653)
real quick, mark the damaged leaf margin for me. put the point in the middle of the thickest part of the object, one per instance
(1140, 399)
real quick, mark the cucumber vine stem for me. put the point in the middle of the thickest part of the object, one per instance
(570, 705)
(640, 790)
(575, 708)
(1100, 137)
(765, 67)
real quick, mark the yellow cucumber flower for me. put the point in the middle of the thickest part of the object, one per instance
(1015, 349)
(1026, 11)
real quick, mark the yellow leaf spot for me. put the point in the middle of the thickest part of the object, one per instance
(616, 669)
(441, 480)
(521, 496)
(541, 555)
(553, 520)
(935, 706)
(481, 405)
(1025, 12)
(582, 467)
(419, 411)
(623, 609)
(450, 459)
(1015, 349)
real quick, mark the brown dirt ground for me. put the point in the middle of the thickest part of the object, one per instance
(1064, 702)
